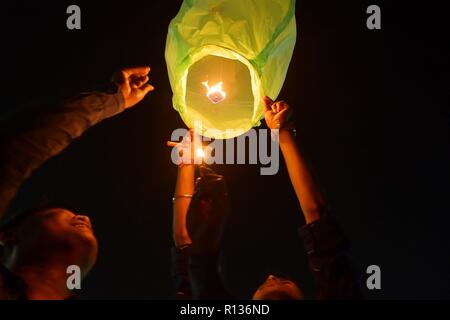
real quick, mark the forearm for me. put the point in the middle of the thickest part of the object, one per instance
(184, 186)
(44, 136)
(309, 195)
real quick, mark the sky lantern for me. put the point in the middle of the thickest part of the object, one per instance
(223, 56)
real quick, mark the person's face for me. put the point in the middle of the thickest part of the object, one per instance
(278, 288)
(59, 232)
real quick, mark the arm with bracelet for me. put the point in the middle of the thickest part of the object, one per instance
(184, 190)
(198, 220)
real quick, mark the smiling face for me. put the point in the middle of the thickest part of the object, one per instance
(63, 226)
(55, 234)
(278, 288)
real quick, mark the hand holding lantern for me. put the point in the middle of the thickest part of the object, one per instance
(276, 114)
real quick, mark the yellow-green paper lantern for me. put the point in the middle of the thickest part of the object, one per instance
(223, 56)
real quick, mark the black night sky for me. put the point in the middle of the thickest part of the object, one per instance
(371, 110)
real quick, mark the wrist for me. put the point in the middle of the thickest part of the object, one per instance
(289, 127)
(286, 127)
(186, 166)
(181, 239)
(286, 135)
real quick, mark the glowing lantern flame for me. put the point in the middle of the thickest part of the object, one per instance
(215, 93)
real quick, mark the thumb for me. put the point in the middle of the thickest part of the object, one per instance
(147, 88)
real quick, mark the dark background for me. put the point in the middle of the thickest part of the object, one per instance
(371, 112)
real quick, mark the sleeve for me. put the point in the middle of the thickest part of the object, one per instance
(329, 260)
(180, 271)
(40, 136)
(196, 276)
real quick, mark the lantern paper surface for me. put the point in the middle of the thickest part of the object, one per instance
(223, 56)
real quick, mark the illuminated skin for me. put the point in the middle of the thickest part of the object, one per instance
(277, 288)
(306, 187)
(133, 83)
(184, 186)
(41, 248)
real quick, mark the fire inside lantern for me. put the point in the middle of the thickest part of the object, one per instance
(215, 93)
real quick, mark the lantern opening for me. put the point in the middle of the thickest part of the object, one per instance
(219, 93)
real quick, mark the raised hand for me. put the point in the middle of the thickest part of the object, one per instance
(276, 114)
(133, 83)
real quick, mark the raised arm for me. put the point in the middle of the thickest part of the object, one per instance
(199, 211)
(323, 238)
(29, 143)
(306, 187)
(184, 189)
